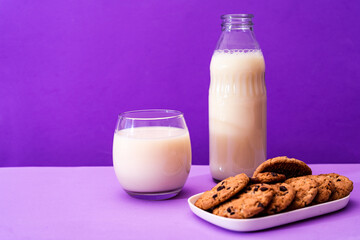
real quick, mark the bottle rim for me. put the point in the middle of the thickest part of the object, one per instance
(236, 16)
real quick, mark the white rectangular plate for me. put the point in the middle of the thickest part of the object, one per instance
(254, 224)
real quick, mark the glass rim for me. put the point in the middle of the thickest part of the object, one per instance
(238, 15)
(176, 114)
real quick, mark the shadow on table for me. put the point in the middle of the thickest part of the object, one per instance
(195, 186)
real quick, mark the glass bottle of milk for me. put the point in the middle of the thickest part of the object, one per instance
(237, 100)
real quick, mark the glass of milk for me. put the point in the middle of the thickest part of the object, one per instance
(152, 153)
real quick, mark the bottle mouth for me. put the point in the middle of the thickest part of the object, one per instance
(234, 16)
(237, 20)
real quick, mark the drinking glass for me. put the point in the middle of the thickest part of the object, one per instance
(152, 153)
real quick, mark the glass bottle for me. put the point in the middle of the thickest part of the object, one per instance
(237, 100)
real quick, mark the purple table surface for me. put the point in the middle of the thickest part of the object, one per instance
(88, 203)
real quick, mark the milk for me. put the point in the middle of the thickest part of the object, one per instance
(237, 112)
(152, 159)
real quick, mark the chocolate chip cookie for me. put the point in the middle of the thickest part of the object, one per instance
(325, 188)
(290, 167)
(222, 191)
(268, 177)
(248, 203)
(284, 194)
(306, 190)
(343, 186)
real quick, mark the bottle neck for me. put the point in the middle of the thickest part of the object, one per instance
(235, 22)
(237, 32)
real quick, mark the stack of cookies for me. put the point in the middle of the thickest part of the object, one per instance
(279, 184)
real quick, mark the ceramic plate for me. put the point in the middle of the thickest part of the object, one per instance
(254, 224)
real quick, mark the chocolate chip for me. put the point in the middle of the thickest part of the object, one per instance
(263, 188)
(274, 174)
(228, 210)
(338, 180)
(283, 189)
(232, 213)
(210, 210)
(214, 196)
(220, 188)
(274, 210)
(260, 205)
(228, 188)
(254, 180)
(256, 188)
(223, 182)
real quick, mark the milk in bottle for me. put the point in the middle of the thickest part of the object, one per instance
(237, 100)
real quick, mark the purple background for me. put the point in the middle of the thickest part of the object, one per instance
(67, 68)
